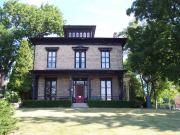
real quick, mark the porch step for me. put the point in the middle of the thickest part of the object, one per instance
(79, 105)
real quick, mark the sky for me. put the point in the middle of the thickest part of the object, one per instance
(109, 16)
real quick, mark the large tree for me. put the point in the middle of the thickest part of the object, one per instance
(19, 20)
(153, 41)
(162, 28)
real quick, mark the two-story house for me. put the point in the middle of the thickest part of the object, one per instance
(78, 66)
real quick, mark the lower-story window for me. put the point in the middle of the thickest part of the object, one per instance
(106, 89)
(50, 89)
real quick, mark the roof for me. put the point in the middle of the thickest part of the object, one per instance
(78, 71)
(70, 41)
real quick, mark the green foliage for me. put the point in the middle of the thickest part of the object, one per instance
(18, 21)
(7, 120)
(12, 96)
(156, 43)
(111, 104)
(20, 79)
(135, 88)
(167, 91)
(46, 103)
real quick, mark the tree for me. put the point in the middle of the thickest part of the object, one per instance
(153, 41)
(167, 91)
(18, 21)
(162, 18)
(136, 89)
(142, 55)
(20, 79)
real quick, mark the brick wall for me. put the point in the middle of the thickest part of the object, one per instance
(65, 57)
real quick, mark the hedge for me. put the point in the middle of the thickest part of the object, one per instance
(7, 119)
(111, 104)
(46, 103)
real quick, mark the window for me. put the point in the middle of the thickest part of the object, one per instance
(50, 89)
(88, 34)
(80, 59)
(73, 34)
(106, 89)
(105, 59)
(69, 34)
(51, 56)
(84, 34)
(77, 34)
(51, 59)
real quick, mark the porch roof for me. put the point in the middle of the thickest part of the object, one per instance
(78, 71)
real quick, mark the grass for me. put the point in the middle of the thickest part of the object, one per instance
(96, 121)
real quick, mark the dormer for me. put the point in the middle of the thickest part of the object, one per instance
(79, 31)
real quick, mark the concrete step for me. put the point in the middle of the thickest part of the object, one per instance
(79, 105)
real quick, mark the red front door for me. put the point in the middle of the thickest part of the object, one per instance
(79, 93)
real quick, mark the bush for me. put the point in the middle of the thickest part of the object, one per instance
(139, 102)
(111, 104)
(7, 121)
(46, 103)
(12, 96)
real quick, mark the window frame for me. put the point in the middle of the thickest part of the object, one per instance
(80, 49)
(51, 49)
(105, 50)
(80, 59)
(45, 91)
(106, 96)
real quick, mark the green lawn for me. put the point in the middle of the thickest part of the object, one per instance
(93, 121)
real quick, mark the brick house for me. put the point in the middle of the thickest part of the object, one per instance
(78, 66)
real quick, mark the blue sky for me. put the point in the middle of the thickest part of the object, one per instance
(109, 16)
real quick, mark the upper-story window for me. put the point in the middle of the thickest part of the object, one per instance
(105, 57)
(80, 34)
(88, 34)
(69, 34)
(80, 56)
(73, 34)
(77, 34)
(80, 59)
(51, 57)
(84, 34)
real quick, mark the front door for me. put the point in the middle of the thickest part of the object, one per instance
(79, 93)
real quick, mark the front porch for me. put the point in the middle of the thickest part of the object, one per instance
(78, 87)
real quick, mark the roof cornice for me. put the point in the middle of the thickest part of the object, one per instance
(71, 41)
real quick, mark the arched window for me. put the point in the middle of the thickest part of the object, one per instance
(84, 34)
(88, 34)
(69, 34)
(73, 34)
(77, 34)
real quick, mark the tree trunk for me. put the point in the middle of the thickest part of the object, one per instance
(155, 94)
(169, 102)
(142, 85)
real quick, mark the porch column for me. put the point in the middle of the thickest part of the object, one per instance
(120, 79)
(70, 87)
(35, 86)
(89, 88)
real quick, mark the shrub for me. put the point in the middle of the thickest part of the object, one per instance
(46, 103)
(7, 121)
(12, 96)
(139, 102)
(111, 104)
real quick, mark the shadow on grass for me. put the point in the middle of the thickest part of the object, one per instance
(162, 121)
